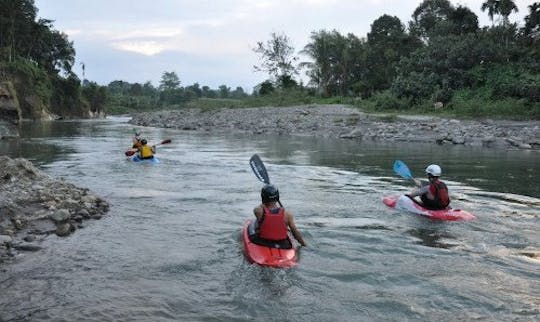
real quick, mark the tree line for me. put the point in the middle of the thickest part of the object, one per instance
(40, 60)
(443, 56)
(170, 93)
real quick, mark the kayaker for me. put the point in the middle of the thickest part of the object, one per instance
(137, 140)
(434, 194)
(273, 220)
(145, 151)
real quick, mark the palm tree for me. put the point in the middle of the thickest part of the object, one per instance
(491, 6)
(505, 9)
(499, 7)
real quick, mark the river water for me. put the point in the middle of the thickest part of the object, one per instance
(170, 247)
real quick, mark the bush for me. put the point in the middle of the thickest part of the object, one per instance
(475, 104)
(387, 101)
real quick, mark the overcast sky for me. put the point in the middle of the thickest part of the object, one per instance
(208, 41)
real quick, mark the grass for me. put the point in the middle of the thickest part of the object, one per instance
(464, 104)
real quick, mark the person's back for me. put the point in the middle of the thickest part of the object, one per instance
(434, 195)
(145, 151)
(273, 220)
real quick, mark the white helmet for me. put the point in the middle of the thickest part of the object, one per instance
(434, 170)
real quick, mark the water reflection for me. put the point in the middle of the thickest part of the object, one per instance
(432, 237)
(506, 171)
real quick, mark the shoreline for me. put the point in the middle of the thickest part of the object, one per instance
(34, 205)
(345, 122)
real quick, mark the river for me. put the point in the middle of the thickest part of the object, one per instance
(170, 247)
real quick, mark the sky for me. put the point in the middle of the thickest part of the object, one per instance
(209, 42)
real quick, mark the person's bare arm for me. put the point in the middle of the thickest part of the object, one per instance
(258, 212)
(296, 233)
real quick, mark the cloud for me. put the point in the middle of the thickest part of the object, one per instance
(148, 48)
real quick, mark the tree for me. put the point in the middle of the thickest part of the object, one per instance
(428, 14)
(17, 18)
(387, 44)
(506, 7)
(499, 7)
(224, 91)
(463, 21)
(195, 89)
(238, 93)
(277, 57)
(532, 21)
(336, 59)
(491, 7)
(169, 81)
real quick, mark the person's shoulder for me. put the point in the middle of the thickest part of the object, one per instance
(259, 208)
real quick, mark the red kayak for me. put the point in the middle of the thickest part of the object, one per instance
(270, 254)
(403, 202)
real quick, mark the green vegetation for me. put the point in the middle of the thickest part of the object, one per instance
(441, 62)
(38, 59)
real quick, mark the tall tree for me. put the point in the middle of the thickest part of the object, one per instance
(387, 43)
(169, 81)
(492, 8)
(532, 21)
(506, 7)
(277, 57)
(16, 21)
(463, 21)
(499, 7)
(428, 14)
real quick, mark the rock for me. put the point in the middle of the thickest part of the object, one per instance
(458, 140)
(356, 133)
(63, 229)
(27, 247)
(60, 215)
(438, 105)
(29, 238)
(5, 239)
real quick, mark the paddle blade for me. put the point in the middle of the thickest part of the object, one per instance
(259, 169)
(129, 153)
(166, 141)
(401, 169)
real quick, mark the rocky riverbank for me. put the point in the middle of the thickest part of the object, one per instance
(341, 121)
(34, 205)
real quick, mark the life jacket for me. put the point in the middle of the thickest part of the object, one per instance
(439, 190)
(272, 225)
(146, 152)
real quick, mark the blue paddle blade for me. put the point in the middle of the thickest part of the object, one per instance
(401, 169)
(259, 169)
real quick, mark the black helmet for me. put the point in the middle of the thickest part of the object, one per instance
(143, 141)
(269, 193)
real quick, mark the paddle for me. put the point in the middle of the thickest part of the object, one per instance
(401, 169)
(260, 170)
(132, 152)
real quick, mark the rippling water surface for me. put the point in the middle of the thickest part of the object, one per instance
(170, 249)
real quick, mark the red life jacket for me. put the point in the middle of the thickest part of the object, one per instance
(439, 190)
(273, 226)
